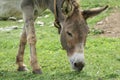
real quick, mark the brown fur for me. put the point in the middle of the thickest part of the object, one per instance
(73, 31)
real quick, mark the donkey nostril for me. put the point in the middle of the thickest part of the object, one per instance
(75, 64)
(79, 65)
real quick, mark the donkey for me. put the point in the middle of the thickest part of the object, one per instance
(71, 24)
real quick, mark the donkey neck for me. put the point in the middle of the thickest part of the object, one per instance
(58, 12)
(41, 5)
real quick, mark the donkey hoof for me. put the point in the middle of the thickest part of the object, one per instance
(22, 69)
(37, 71)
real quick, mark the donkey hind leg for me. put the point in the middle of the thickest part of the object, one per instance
(31, 38)
(19, 58)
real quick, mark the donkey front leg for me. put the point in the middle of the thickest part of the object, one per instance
(27, 7)
(31, 38)
(19, 58)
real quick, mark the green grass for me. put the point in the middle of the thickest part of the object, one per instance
(102, 54)
(96, 3)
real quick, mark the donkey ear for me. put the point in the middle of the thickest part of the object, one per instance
(67, 7)
(93, 12)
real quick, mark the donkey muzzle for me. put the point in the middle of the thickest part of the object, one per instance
(77, 61)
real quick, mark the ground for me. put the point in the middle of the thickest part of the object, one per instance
(102, 54)
(110, 26)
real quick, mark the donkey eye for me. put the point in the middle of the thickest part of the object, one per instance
(69, 34)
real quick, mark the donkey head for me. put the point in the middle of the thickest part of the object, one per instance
(74, 30)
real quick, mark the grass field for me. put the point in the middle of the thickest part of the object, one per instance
(102, 54)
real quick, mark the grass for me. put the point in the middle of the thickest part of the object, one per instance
(102, 54)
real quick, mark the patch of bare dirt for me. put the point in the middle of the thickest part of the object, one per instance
(110, 25)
